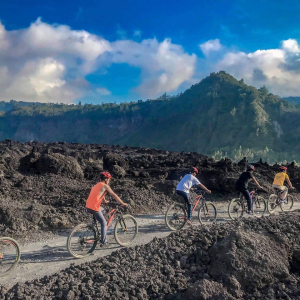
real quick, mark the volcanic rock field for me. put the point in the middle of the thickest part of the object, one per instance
(43, 188)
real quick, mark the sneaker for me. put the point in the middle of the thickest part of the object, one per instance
(104, 245)
(250, 213)
(189, 222)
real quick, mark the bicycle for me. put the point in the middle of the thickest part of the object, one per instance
(176, 215)
(237, 206)
(10, 255)
(276, 200)
(83, 239)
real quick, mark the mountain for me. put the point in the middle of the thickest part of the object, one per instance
(219, 116)
(6, 106)
(293, 99)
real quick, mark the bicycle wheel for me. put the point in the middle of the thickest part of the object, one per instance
(9, 255)
(288, 204)
(272, 203)
(82, 241)
(236, 209)
(176, 217)
(259, 206)
(126, 230)
(207, 213)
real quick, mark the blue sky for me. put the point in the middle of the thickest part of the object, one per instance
(141, 49)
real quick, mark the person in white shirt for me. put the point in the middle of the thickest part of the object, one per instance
(184, 186)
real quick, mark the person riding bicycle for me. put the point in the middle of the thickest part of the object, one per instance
(183, 189)
(97, 195)
(242, 186)
(278, 183)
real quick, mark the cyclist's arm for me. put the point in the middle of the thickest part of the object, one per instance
(105, 201)
(204, 187)
(255, 181)
(110, 191)
(290, 184)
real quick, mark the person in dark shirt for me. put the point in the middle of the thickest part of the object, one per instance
(242, 186)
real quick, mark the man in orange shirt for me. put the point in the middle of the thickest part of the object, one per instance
(278, 182)
(97, 195)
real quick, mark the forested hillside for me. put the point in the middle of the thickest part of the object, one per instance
(220, 116)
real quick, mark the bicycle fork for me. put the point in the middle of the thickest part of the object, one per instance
(123, 225)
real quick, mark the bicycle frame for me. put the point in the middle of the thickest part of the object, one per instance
(197, 201)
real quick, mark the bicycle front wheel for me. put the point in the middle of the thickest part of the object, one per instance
(82, 241)
(176, 217)
(272, 203)
(126, 230)
(9, 255)
(259, 206)
(288, 203)
(207, 213)
(236, 209)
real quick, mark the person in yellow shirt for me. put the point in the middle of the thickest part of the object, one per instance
(278, 183)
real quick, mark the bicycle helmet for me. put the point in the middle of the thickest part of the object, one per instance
(283, 168)
(194, 170)
(250, 168)
(106, 174)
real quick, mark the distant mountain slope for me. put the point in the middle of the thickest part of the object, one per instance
(218, 116)
(293, 99)
(12, 104)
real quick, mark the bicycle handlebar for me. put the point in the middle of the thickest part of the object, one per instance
(200, 192)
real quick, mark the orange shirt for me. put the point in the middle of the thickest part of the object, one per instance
(94, 200)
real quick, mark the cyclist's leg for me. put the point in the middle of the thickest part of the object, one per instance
(248, 197)
(100, 218)
(282, 188)
(285, 192)
(188, 202)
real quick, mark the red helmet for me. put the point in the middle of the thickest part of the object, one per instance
(283, 168)
(106, 174)
(250, 167)
(195, 170)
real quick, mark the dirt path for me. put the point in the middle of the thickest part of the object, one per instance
(49, 256)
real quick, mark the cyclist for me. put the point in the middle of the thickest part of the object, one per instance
(97, 195)
(242, 186)
(183, 189)
(278, 182)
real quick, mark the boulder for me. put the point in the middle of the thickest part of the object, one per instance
(59, 164)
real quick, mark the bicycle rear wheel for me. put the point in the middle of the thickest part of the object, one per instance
(207, 213)
(82, 241)
(126, 230)
(288, 204)
(259, 206)
(9, 255)
(236, 209)
(176, 216)
(272, 203)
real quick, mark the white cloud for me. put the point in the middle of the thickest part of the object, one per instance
(211, 45)
(278, 69)
(49, 63)
(103, 91)
(164, 66)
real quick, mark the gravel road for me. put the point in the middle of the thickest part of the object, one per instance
(50, 255)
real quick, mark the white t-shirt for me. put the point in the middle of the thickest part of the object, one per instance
(186, 183)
